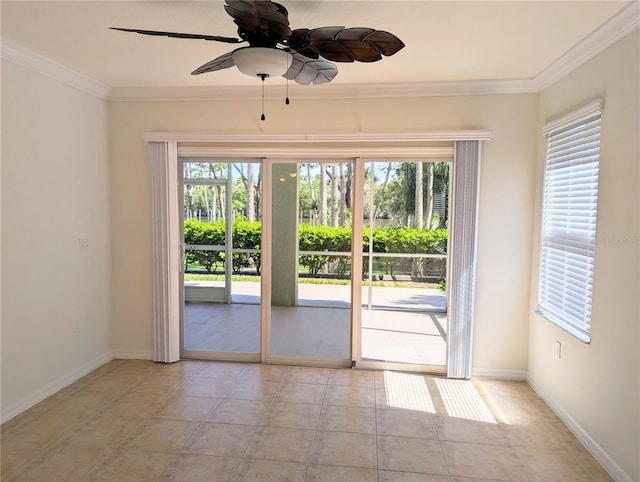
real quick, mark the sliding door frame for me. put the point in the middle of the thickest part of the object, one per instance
(358, 214)
(165, 150)
(267, 234)
(228, 251)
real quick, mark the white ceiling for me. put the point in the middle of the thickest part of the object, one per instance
(445, 40)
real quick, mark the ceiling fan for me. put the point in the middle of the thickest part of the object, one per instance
(303, 55)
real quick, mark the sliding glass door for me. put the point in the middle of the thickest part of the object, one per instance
(389, 281)
(404, 245)
(310, 316)
(221, 232)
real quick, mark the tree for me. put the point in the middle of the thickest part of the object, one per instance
(251, 204)
(323, 195)
(418, 216)
(441, 171)
(258, 193)
(404, 201)
(414, 198)
(216, 171)
(342, 187)
(379, 196)
(247, 181)
(334, 196)
(346, 176)
(428, 183)
(190, 203)
(312, 195)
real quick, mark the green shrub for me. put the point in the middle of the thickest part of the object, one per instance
(313, 238)
(247, 235)
(442, 285)
(339, 239)
(203, 233)
(405, 240)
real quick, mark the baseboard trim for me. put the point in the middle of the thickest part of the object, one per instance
(27, 402)
(133, 354)
(582, 435)
(503, 374)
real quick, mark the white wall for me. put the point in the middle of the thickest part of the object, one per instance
(55, 191)
(596, 384)
(506, 205)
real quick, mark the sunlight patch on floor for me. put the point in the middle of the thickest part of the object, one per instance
(407, 391)
(492, 402)
(462, 400)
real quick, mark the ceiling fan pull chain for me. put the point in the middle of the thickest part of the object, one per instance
(262, 117)
(286, 101)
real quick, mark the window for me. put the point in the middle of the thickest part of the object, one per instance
(569, 221)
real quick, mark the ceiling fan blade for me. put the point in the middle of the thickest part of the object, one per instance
(223, 62)
(323, 33)
(340, 44)
(259, 16)
(388, 43)
(215, 38)
(305, 70)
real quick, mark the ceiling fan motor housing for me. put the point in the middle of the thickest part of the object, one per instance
(262, 61)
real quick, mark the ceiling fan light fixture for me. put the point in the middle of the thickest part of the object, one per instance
(262, 61)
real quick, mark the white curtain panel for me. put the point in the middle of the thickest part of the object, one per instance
(461, 276)
(166, 256)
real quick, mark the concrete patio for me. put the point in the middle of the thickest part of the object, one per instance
(406, 325)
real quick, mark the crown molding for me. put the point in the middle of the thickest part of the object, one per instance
(324, 92)
(619, 26)
(20, 55)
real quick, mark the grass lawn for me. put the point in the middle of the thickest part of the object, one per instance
(315, 281)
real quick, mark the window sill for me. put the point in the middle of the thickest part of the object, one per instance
(579, 334)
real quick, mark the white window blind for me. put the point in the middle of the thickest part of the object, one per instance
(569, 225)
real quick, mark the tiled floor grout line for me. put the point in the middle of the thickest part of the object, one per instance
(94, 467)
(48, 448)
(178, 452)
(375, 426)
(444, 458)
(244, 453)
(315, 431)
(244, 457)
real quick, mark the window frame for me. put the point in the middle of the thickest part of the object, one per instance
(585, 161)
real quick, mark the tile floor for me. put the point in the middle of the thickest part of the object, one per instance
(207, 421)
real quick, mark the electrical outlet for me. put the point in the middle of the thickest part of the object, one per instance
(558, 349)
(83, 245)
